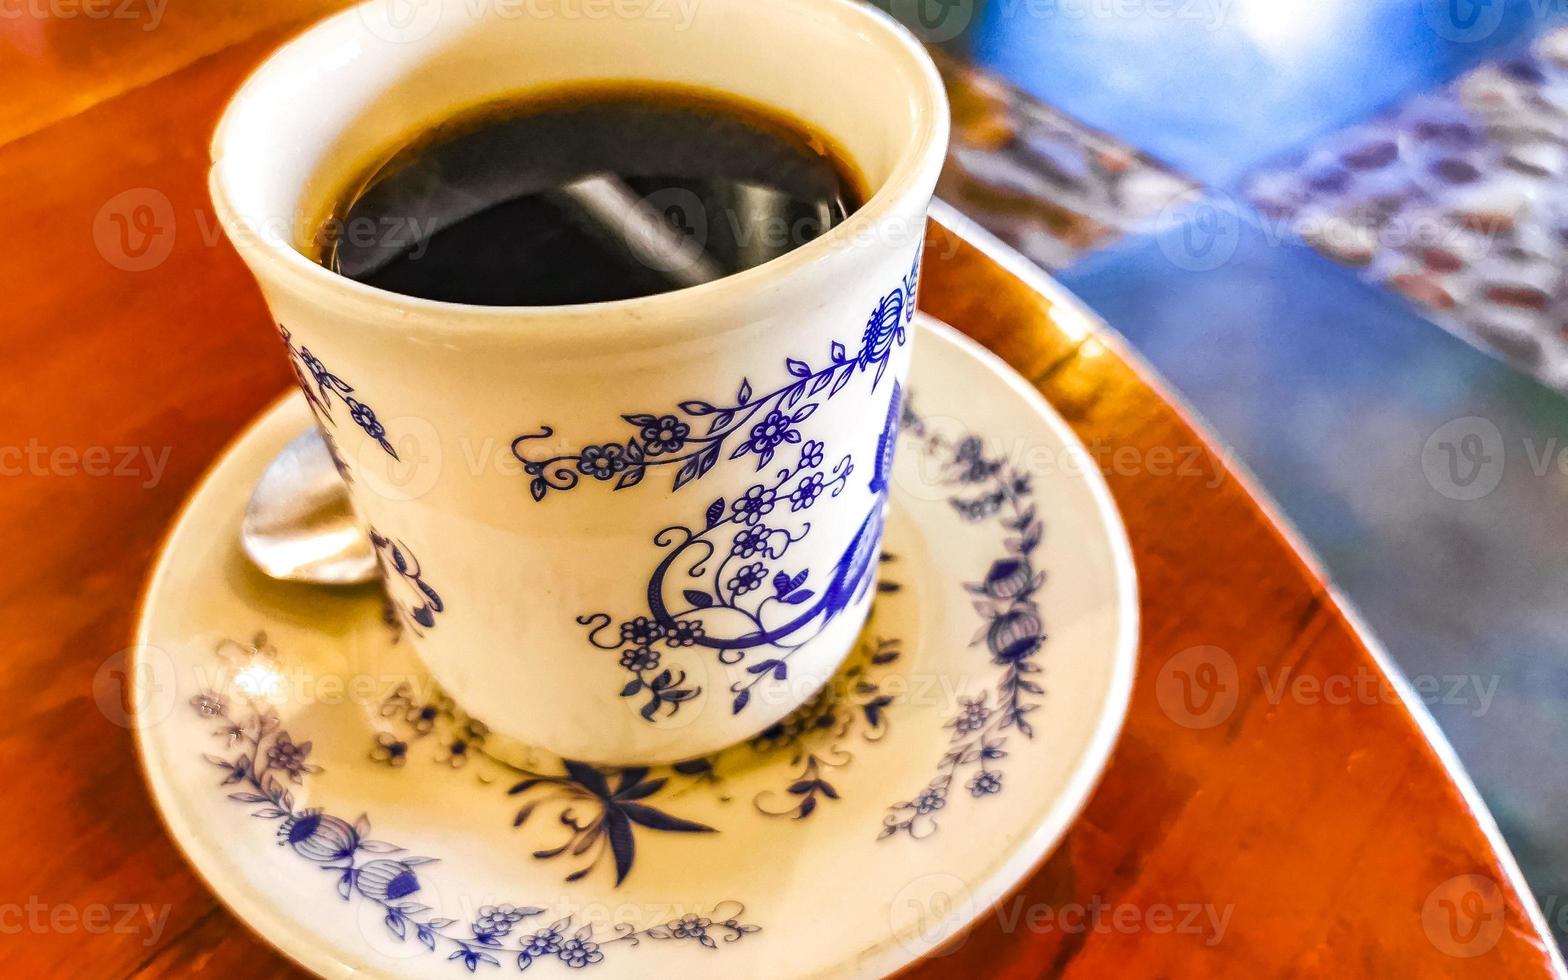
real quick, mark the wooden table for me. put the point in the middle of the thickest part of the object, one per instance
(1268, 777)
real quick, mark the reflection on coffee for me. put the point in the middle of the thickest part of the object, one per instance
(587, 194)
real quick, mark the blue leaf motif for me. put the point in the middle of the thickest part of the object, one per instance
(783, 584)
(799, 369)
(701, 600)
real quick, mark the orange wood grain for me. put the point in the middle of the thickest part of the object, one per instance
(1322, 829)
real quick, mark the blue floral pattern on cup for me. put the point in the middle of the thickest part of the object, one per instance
(322, 387)
(402, 573)
(739, 591)
(742, 592)
(693, 437)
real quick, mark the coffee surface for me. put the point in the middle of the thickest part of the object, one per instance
(588, 195)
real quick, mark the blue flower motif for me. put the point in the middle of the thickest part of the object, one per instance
(390, 749)
(748, 578)
(385, 880)
(755, 504)
(289, 757)
(597, 812)
(642, 631)
(884, 328)
(317, 369)
(775, 427)
(973, 717)
(690, 927)
(751, 541)
(210, 705)
(972, 465)
(985, 784)
(1015, 636)
(806, 492)
(930, 801)
(545, 942)
(365, 417)
(318, 836)
(1008, 578)
(637, 659)
(811, 455)
(495, 921)
(602, 462)
(666, 434)
(578, 953)
(685, 633)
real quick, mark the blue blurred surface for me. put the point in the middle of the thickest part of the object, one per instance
(1329, 390)
(1214, 87)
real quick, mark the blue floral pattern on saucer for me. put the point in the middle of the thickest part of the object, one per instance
(798, 806)
(989, 489)
(260, 760)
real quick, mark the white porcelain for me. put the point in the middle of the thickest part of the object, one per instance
(470, 434)
(863, 833)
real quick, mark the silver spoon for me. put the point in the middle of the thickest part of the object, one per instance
(299, 526)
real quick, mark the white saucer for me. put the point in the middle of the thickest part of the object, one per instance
(375, 829)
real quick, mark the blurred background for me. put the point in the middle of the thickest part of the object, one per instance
(1339, 228)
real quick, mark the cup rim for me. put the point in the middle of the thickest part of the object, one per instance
(913, 175)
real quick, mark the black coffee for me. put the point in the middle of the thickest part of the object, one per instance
(587, 195)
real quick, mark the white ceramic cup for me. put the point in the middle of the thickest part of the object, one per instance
(633, 531)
